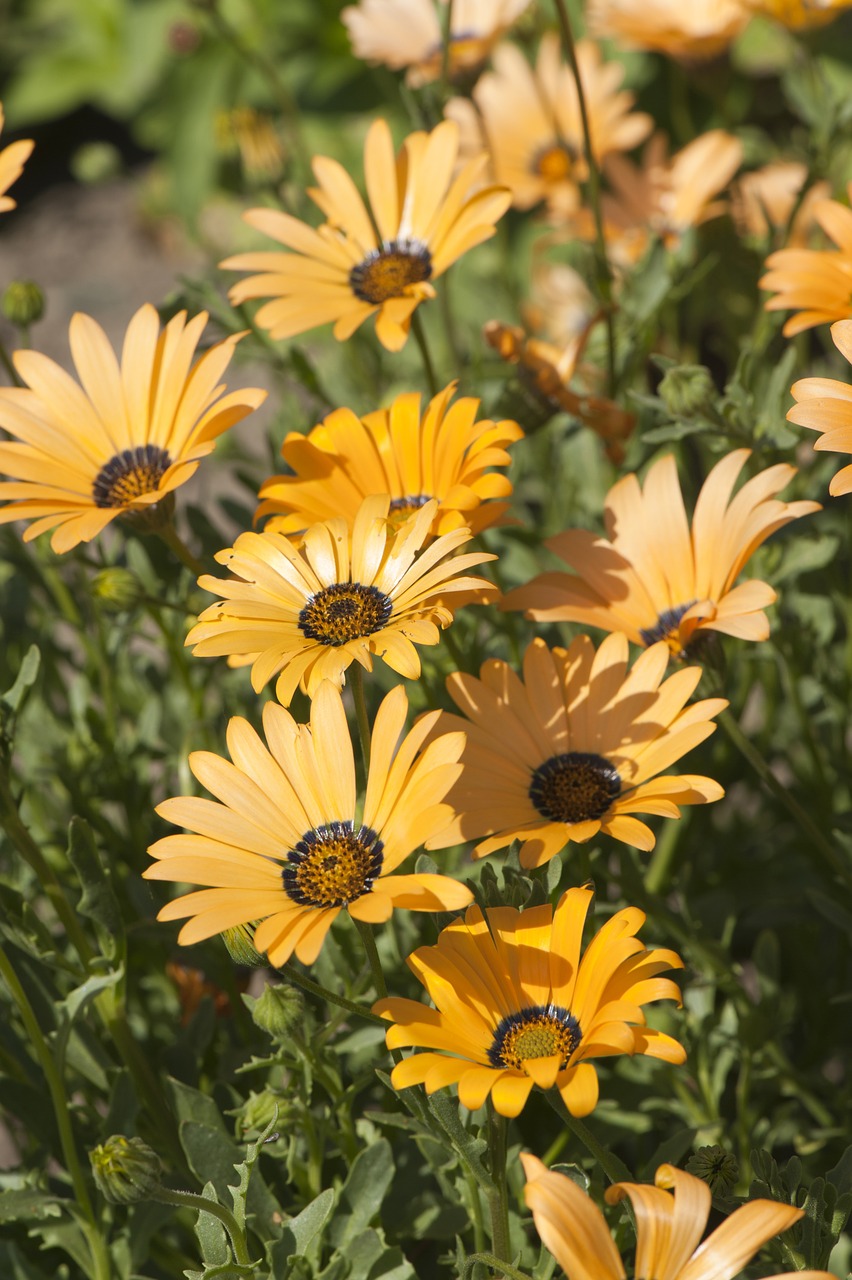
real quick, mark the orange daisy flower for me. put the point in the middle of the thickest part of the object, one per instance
(653, 577)
(824, 404)
(668, 1227)
(800, 15)
(762, 201)
(284, 848)
(518, 1004)
(443, 453)
(379, 262)
(817, 282)
(12, 161)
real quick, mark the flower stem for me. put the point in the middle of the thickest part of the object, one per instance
(820, 844)
(189, 1200)
(497, 1264)
(366, 932)
(356, 681)
(315, 989)
(428, 367)
(6, 361)
(498, 1199)
(614, 1169)
(604, 271)
(175, 543)
(445, 52)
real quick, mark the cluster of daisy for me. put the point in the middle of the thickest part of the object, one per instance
(366, 554)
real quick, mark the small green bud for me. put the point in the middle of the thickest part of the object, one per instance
(125, 1170)
(23, 303)
(258, 1111)
(276, 1010)
(715, 1166)
(117, 588)
(687, 389)
(240, 943)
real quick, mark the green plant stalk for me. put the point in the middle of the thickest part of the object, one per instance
(6, 361)
(428, 367)
(446, 87)
(97, 1245)
(366, 932)
(497, 1264)
(614, 1168)
(313, 988)
(475, 1210)
(826, 851)
(498, 1199)
(175, 543)
(356, 681)
(189, 1200)
(604, 271)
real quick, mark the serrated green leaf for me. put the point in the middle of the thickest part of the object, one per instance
(25, 1205)
(362, 1193)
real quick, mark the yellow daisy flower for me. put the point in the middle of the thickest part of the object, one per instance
(125, 439)
(652, 576)
(817, 282)
(410, 33)
(824, 404)
(379, 262)
(284, 846)
(668, 1227)
(517, 1005)
(575, 748)
(12, 161)
(529, 120)
(444, 454)
(697, 30)
(341, 596)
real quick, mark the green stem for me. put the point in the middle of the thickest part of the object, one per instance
(366, 932)
(497, 1264)
(6, 361)
(62, 1113)
(322, 993)
(604, 271)
(175, 543)
(498, 1199)
(475, 1210)
(428, 367)
(189, 1200)
(356, 682)
(446, 87)
(614, 1169)
(820, 844)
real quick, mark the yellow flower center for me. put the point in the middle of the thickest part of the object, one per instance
(577, 786)
(554, 163)
(332, 865)
(129, 475)
(538, 1032)
(402, 508)
(390, 271)
(345, 611)
(667, 628)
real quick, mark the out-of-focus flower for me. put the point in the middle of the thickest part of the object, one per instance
(762, 201)
(815, 282)
(192, 987)
(653, 577)
(824, 404)
(381, 262)
(668, 1228)
(342, 596)
(518, 1004)
(126, 438)
(443, 453)
(800, 15)
(251, 135)
(12, 161)
(560, 307)
(284, 846)
(529, 120)
(694, 30)
(410, 33)
(577, 748)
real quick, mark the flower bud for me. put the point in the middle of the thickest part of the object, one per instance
(125, 1170)
(23, 303)
(117, 588)
(239, 943)
(276, 1010)
(715, 1166)
(687, 389)
(259, 1110)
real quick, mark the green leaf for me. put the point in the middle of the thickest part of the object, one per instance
(212, 1156)
(97, 901)
(72, 1006)
(362, 1193)
(300, 1232)
(239, 1193)
(26, 1205)
(212, 1236)
(27, 673)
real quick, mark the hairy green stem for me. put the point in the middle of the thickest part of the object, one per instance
(175, 543)
(604, 271)
(313, 988)
(428, 367)
(366, 932)
(498, 1199)
(189, 1200)
(356, 682)
(6, 361)
(614, 1169)
(447, 49)
(496, 1264)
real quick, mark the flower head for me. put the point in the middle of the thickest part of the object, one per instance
(283, 845)
(699, 29)
(668, 1227)
(763, 200)
(410, 33)
(816, 282)
(443, 453)
(529, 120)
(12, 161)
(516, 1004)
(800, 15)
(341, 596)
(130, 435)
(346, 270)
(576, 748)
(653, 577)
(824, 404)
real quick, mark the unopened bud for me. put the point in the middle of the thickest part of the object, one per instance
(23, 303)
(687, 389)
(240, 945)
(125, 1170)
(715, 1166)
(258, 1112)
(276, 1010)
(117, 588)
